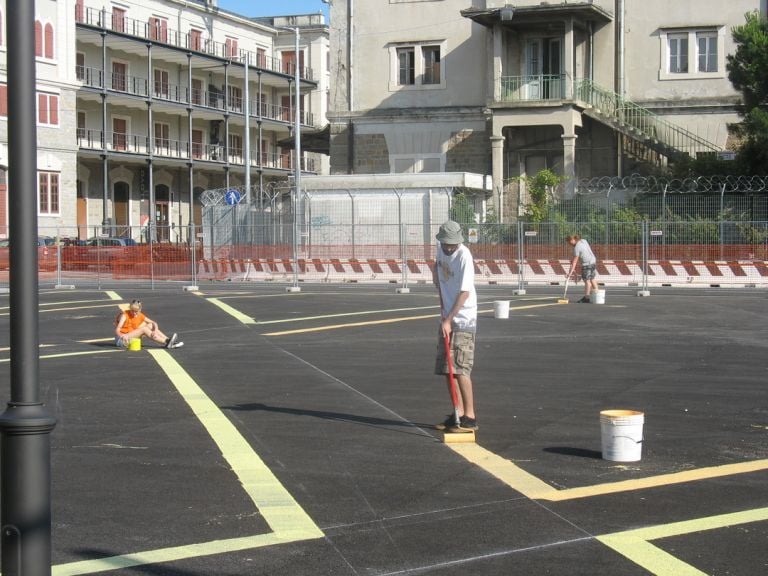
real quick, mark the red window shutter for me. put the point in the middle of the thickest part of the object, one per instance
(4, 100)
(42, 109)
(153, 28)
(54, 107)
(54, 193)
(233, 54)
(38, 38)
(164, 30)
(79, 11)
(49, 41)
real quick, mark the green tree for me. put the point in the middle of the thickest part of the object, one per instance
(540, 190)
(462, 210)
(748, 72)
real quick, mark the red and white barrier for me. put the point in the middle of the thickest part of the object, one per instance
(742, 273)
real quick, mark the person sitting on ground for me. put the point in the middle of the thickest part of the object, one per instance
(132, 323)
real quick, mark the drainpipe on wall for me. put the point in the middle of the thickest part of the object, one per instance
(350, 86)
(620, 80)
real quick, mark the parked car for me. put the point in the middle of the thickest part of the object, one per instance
(101, 252)
(46, 255)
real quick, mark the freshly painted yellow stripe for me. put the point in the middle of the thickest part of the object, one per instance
(67, 354)
(534, 488)
(653, 559)
(387, 321)
(660, 480)
(166, 555)
(278, 508)
(350, 325)
(512, 475)
(345, 314)
(635, 545)
(95, 340)
(239, 316)
(113, 295)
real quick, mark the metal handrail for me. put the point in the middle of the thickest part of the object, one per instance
(642, 121)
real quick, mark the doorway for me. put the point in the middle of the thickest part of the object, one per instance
(162, 211)
(543, 68)
(120, 209)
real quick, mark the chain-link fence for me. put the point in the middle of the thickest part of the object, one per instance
(644, 231)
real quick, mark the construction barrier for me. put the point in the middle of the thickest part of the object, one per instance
(534, 272)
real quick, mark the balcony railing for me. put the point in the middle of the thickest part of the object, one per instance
(122, 142)
(212, 99)
(534, 87)
(117, 22)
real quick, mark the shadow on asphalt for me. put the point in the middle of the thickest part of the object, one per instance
(338, 416)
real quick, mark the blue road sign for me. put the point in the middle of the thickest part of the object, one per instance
(232, 197)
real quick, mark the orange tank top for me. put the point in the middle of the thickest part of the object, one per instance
(131, 322)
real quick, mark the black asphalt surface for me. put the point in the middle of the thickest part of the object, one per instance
(342, 417)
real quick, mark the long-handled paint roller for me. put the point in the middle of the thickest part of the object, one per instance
(460, 435)
(564, 300)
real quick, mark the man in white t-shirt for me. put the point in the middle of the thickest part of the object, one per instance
(454, 275)
(583, 253)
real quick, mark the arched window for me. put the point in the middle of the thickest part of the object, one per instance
(49, 41)
(38, 38)
(43, 40)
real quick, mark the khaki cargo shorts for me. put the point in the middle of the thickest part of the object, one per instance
(462, 350)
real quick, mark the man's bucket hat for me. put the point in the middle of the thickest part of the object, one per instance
(450, 233)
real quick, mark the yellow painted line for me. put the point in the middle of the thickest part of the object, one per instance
(68, 354)
(95, 340)
(7, 348)
(512, 475)
(536, 489)
(69, 308)
(345, 314)
(660, 480)
(635, 545)
(60, 303)
(387, 321)
(236, 314)
(276, 505)
(113, 295)
(167, 555)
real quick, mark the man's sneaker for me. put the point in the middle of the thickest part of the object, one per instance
(449, 421)
(466, 425)
(177, 345)
(172, 341)
(585, 300)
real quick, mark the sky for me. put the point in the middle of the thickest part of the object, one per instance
(274, 7)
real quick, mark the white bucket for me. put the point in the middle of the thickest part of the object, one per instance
(622, 435)
(501, 308)
(597, 297)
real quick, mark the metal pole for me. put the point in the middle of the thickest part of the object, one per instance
(297, 167)
(25, 449)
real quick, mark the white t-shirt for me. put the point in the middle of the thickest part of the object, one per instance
(584, 252)
(456, 273)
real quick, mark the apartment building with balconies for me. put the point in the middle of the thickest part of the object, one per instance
(585, 88)
(143, 105)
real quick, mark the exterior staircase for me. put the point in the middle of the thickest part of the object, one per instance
(638, 123)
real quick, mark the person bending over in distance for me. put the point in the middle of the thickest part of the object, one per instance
(582, 252)
(133, 323)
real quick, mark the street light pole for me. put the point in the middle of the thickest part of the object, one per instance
(25, 449)
(297, 164)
